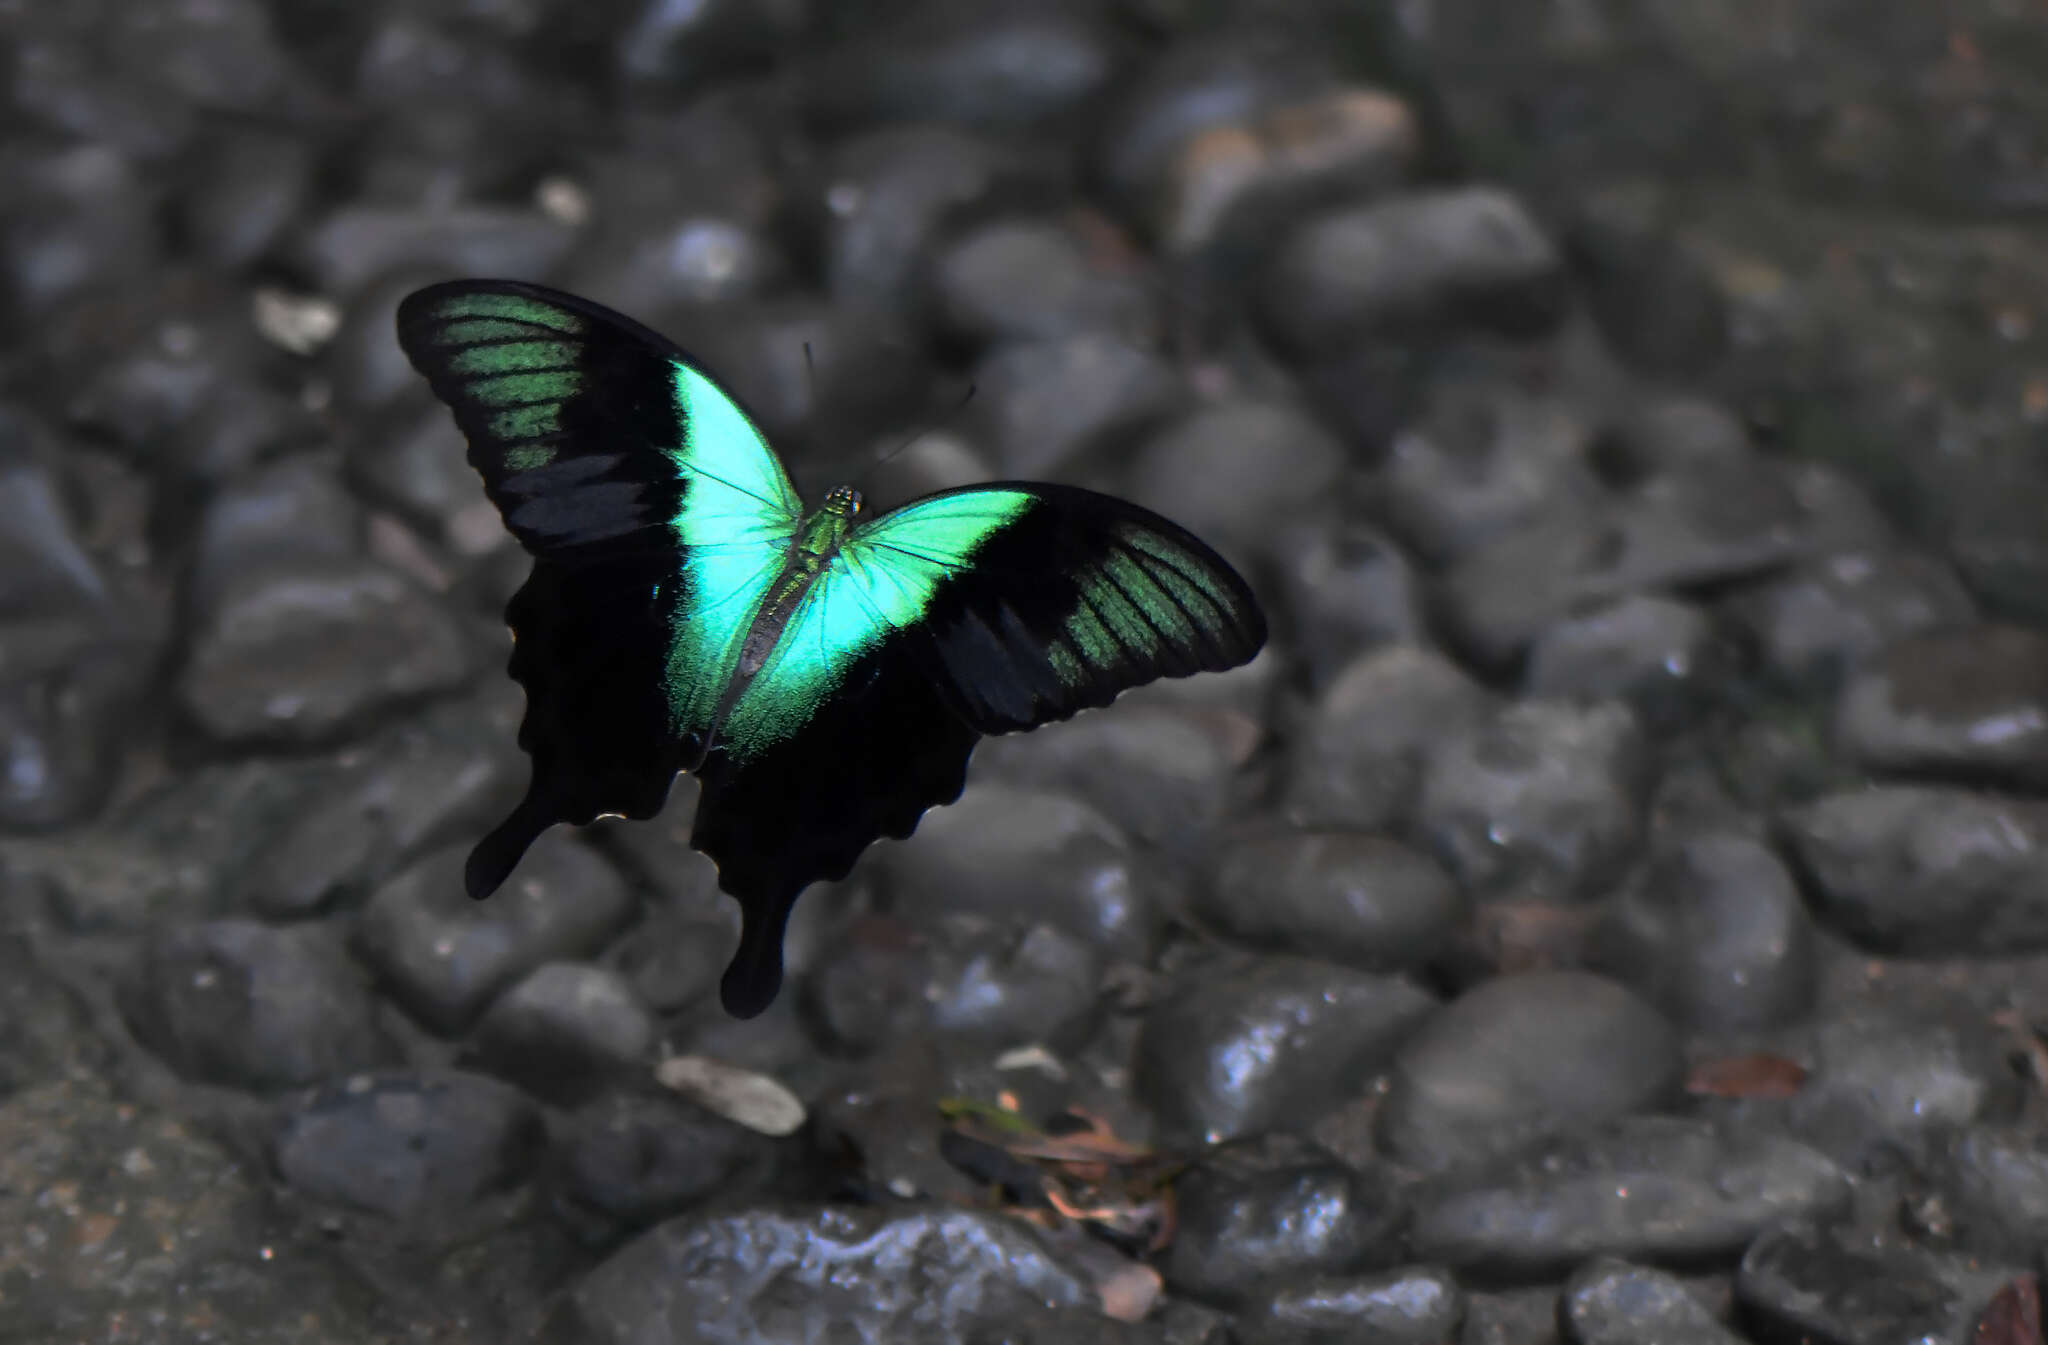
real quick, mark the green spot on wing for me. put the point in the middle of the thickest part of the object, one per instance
(527, 422)
(530, 458)
(513, 357)
(518, 389)
(469, 331)
(517, 307)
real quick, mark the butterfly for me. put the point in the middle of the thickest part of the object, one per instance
(824, 674)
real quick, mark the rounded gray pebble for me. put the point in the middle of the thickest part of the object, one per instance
(1357, 759)
(1350, 589)
(637, 1158)
(1832, 1285)
(1360, 900)
(1658, 654)
(1230, 471)
(1522, 1057)
(1415, 1305)
(1969, 703)
(1818, 623)
(564, 1029)
(1610, 1302)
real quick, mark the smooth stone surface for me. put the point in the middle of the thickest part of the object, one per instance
(1004, 850)
(297, 508)
(637, 1158)
(301, 654)
(1995, 1180)
(806, 1273)
(1045, 407)
(1463, 254)
(564, 1029)
(1610, 1302)
(1000, 986)
(1350, 589)
(1969, 703)
(444, 957)
(1359, 900)
(1658, 654)
(245, 188)
(44, 568)
(63, 729)
(1817, 624)
(1238, 1045)
(238, 1003)
(1835, 1289)
(1230, 471)
(1358, 757)
(353, 245)
(1542, 801)
(417, 1148)
(1258, 1216)
(1026, 280)
(1714, 933)
(1522, 1057)
(86, 216)
(1916, 869)
(1415, 1305)
(1645, 1187)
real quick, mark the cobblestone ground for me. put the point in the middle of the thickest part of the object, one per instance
(1613, 909)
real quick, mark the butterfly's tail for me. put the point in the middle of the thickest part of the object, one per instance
(497, 854)
(755, 975)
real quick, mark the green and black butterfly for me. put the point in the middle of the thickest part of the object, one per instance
(825, 676)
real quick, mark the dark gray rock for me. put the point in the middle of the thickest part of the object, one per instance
(1008, 987)
(64, 725)
(1162, 773)
(1650, 286)
(1463, 255)
(238, 1003)
(1927, 869)
(1024, 280)
(46, 1030)
(1520, 1058)
(245, 187)
(1818, 623)
(868, 988)
(1714, 933)
(802, 1273)
(416, 466)
(1044, 406)
(1971, 703)
(1257, 1216)
(354, 244)
(1416, 1305)
(701, 259)
(1238, 1045)
(1663, 429)
(1832, 1287)
(44, 569)
(1545, 800)
(564, 1030)
(1346, 897)
(290, 510)
(1003, 851)
(673, 961)
(1610, 1302)
(444, 957)
(1230, 471)
(1511, 1317)
(637, 1158)
(1645, 1187)
(304, 653)
(1358, 758)
(1484, 461)
(418, 1148)
(1349, 588)
(1003, 68)
(1995, 1180)
(79, 215)
(1658, 654)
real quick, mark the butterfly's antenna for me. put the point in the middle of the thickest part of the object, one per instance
(811, 373)
(938, 423)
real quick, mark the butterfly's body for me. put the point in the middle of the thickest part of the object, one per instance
(823, 675)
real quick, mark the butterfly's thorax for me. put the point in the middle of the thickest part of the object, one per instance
(818, 538)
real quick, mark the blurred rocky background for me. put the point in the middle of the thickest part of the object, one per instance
(1612, 911)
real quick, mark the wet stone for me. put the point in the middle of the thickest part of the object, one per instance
(62, 731)
(1656, 1188)
(238, 1003)
(1350, 588)
(1359, 900)
(355, 244)
(1007, 987)
(294, 509)
(1466, 255)
(1926, 869)
(444, 957)
(673, 962)
(1258, 1216)
(1996, 1179)
(1416, 1305)
(1610, 1302)
(1483, 461)
(1714, 933)
(419, 1148)
(1511, 1317)
(46, 1030)
(637, 1158)
(1969, 703)
(1830, 1286)
(80, 215)
(1162, 773)
(1817, 624)
(45, 570)
(1236, 1045)
(1522, 1057)
(1041, 406)
(303, 653)
(806, 1273)
(1658, 654)
(1662, 430)
(1358, 759)
(1543, 801)
(1005, 849)
(245, 188)
(1230, 471)
(418, 468)
(1029, 280)
(564, 1030)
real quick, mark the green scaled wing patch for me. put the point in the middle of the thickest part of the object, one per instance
(658, 518)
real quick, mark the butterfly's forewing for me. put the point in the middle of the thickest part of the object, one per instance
(983, 610)
(657, 517)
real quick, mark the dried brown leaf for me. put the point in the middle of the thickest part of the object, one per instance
(1761, 1075)
(2014, 1317)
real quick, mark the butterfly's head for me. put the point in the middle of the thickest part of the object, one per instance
(842, 500)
